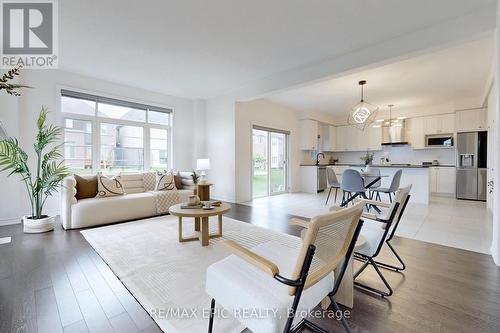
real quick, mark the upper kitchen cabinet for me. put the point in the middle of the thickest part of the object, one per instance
(440, 124)
(472, 120)
(350, 138)
(415, 132)
(329, 137)
(309, 130)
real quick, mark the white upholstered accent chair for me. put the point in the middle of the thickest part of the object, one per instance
(379, 230)
(283, 278)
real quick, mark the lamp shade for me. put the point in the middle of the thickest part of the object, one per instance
(203, 164)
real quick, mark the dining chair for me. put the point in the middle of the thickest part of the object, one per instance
(396, 179)
(352, 182)
(332, 182)
(377, 231)
(289, 279)
(368, 179)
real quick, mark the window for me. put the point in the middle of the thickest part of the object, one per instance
(112, 136)
(78, 145)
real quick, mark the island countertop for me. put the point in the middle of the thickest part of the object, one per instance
(383, 165)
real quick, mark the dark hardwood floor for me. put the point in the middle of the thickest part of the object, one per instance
(55, 282)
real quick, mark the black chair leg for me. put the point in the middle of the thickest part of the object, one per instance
(342, 319)
(390, 197)
(212, 312)
(369, 261)
(336, 190)
(328, 197)
(395, 268)
(343, 198)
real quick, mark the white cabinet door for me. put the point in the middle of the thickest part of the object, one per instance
(329, 138)
(374, 138)
(342, 138)
(443, 180)
(446, 180)
(446, 123)
(434, 179)
(472, 120)
(431, 125)
(415, 132)
(309, 134)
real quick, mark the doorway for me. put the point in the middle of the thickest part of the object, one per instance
(269, 161)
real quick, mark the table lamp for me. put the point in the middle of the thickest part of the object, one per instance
(203, 164)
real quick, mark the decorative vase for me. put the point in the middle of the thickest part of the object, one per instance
(35, 226)
(368, 168)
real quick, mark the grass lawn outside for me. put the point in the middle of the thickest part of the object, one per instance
(259, 185)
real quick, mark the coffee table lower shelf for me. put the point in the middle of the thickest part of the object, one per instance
(201, 229)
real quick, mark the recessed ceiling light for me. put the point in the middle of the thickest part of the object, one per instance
(401, 118)
(376, 126)
(379, 120)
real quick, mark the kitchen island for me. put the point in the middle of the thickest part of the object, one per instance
(416, 175)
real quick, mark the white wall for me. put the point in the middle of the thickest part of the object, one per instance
(268, 114)
(220, 148)
(495, 246)
(11, 188)
(492, 107)
(188, 121)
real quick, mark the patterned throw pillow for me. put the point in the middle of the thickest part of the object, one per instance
(149, 179)
(165, 181)
(108, 187)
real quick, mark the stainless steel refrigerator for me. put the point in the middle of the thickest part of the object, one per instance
(471, 165)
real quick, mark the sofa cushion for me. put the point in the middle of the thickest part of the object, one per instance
(98, 211)
(108, 187)
(165, 181)
(132, 182)
(86, 187)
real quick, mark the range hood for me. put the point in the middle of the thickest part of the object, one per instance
(394, 134)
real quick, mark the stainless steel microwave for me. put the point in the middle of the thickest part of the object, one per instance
(439, 141)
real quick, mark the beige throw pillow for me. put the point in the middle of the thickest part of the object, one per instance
(108, 187)
(165, 181)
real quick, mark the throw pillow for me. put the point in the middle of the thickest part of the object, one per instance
(86, 187)
(149, 180)
(108, 187)
(178, 181)
(165, 181)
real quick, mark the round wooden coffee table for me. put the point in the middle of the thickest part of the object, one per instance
(202, 215)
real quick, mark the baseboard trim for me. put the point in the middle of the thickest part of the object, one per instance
(15, 220)
(19, 220)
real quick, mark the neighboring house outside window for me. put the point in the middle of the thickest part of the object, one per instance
(109, 135)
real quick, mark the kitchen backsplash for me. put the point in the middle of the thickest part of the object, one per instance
(403, 154)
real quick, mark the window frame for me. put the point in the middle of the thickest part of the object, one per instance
(97, 120)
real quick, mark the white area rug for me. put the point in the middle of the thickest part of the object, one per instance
(164, 274)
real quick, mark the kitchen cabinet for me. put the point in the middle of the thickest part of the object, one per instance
(419, 127)
(350, 138)
(440, 124)
(415, 132)
(309, 130)
(329, 138)
(472, 120)
(443, 180)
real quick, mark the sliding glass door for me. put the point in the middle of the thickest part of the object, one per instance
(269, 162)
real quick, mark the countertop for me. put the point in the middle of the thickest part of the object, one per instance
(383, 165)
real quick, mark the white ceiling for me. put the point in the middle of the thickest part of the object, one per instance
(200, 48)
(456, 75)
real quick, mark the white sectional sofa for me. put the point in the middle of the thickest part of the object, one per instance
(137, 202)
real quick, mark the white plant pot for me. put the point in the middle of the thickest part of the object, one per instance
(35, 226)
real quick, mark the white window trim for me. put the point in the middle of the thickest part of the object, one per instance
(97, 120)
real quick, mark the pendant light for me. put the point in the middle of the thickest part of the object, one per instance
(397, 122)
(363, 113)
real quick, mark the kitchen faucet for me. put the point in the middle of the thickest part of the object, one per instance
(317, 157)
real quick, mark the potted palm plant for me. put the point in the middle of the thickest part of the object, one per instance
(44, 181)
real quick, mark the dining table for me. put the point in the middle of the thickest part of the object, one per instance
(365, 175)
